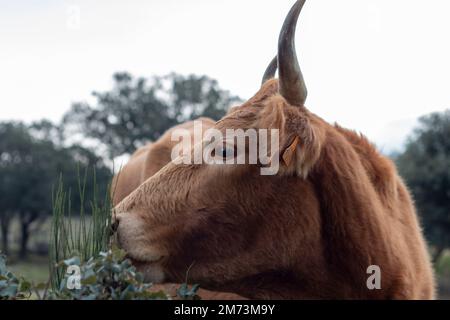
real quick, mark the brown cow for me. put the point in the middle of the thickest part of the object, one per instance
(335, 208)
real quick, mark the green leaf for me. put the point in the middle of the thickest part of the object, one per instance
(72, 261)
(89, 280)
(185, 293)
(9, 291)
(2, 264)
(24, 286)
(117, 253)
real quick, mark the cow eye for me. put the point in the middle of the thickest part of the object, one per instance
(225, 151)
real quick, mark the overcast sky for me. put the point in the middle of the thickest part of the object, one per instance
(370, 65)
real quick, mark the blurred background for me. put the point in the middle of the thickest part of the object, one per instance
(84, 83)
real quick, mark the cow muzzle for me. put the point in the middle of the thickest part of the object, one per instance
(133, 235)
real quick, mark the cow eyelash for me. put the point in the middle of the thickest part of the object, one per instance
(224, 151)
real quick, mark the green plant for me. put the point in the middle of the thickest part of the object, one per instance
(12, 287)
(103, 270)
(186, 293)
(84, 239)
(107, 276)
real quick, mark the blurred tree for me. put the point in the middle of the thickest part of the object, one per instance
(47, 130)
(425, 165)
(29, 168)
(137, 110)
(14, 141)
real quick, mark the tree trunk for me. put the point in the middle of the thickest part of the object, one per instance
(5, 234)
(24, 236)
(26, 222)
(5, 222)
(437, 254)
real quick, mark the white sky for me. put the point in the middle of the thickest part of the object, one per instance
(371, 65)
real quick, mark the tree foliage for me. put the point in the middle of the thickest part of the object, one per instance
(137, 110)
(425, 165)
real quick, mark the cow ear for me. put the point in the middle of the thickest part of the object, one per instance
(300, 149)
(289, 153)
(300, 135)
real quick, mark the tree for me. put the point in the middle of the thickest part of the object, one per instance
(14, 142)
(425, 165)
(29, 168)
(137, 110)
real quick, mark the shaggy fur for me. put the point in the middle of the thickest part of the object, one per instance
(336, 206)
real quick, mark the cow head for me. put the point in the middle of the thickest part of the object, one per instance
(229, 222)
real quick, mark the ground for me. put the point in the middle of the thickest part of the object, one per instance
(35, 268)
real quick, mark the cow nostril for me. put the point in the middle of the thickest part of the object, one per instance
(114, 225)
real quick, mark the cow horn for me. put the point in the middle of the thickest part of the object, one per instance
(271, 70)
(291, 83)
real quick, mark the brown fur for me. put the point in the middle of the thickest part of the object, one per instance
(310, 231)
